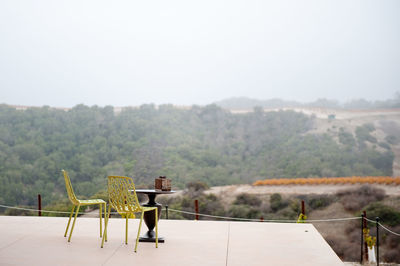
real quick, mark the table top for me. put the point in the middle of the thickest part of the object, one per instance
(154, 191)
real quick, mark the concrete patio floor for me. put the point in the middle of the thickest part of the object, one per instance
(40, 241)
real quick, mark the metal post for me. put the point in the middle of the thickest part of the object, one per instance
(39, 197)
(196, 209)
(365, 243)
(362, 238)
(166, 211)
(303, 209)
(377, 240)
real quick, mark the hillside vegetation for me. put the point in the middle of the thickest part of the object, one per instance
(205, 144)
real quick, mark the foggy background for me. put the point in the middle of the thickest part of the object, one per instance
(121, 53)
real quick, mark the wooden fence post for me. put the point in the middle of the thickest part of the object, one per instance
(39, 197)
(362, 238)
(196, 209)
(365, 243)
(377, 240)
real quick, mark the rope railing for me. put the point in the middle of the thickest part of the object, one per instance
(222, 217)
(192, 213)
(381, 225)
(257, 220)
(48, 211)
(369, 220)
(33, 210)
(213, 216)
(334, 219)
(390, 231)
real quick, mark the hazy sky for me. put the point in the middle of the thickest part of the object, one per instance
(63, 53)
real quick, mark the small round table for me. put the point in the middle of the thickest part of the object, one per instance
(149, 217)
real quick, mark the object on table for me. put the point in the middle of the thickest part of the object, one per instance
(162, 183)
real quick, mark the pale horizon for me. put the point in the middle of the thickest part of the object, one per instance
(130, 53)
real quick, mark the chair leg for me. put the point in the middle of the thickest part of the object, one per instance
(138, 233)
(105, 224)
(108, 216)
(105, 212)
(69, 220)
(126, 229)
(156, 227)
(73, 224)
(100, 214)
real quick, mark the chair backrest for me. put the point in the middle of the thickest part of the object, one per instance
(122, 194)
(70, 190)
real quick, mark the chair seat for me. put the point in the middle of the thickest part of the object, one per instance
(148, 208)
(126, 210)
(91, 201)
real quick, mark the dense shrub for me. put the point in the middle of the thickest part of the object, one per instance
(387, 214)
(355, 199)
(362, 133)
(346, 138)
(276, 202)
(211, 204)
(384, 145)
(392, 139)
(243, 211)
(247, 199)
(370, 127)
(295, 205)
(287, 214)
(314, 202)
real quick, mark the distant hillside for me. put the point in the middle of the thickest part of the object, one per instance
(205, 144)
(244, 103)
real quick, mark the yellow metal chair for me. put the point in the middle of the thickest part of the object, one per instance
(122, 197)
(78, 203)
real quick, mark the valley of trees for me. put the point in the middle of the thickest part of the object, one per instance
(206, 144)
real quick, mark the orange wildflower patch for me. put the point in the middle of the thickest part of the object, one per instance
(384, 180)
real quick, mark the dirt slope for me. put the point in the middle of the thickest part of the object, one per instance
(229, 193)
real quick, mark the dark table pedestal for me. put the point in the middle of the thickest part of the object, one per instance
(150, 236)
(149, 217)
